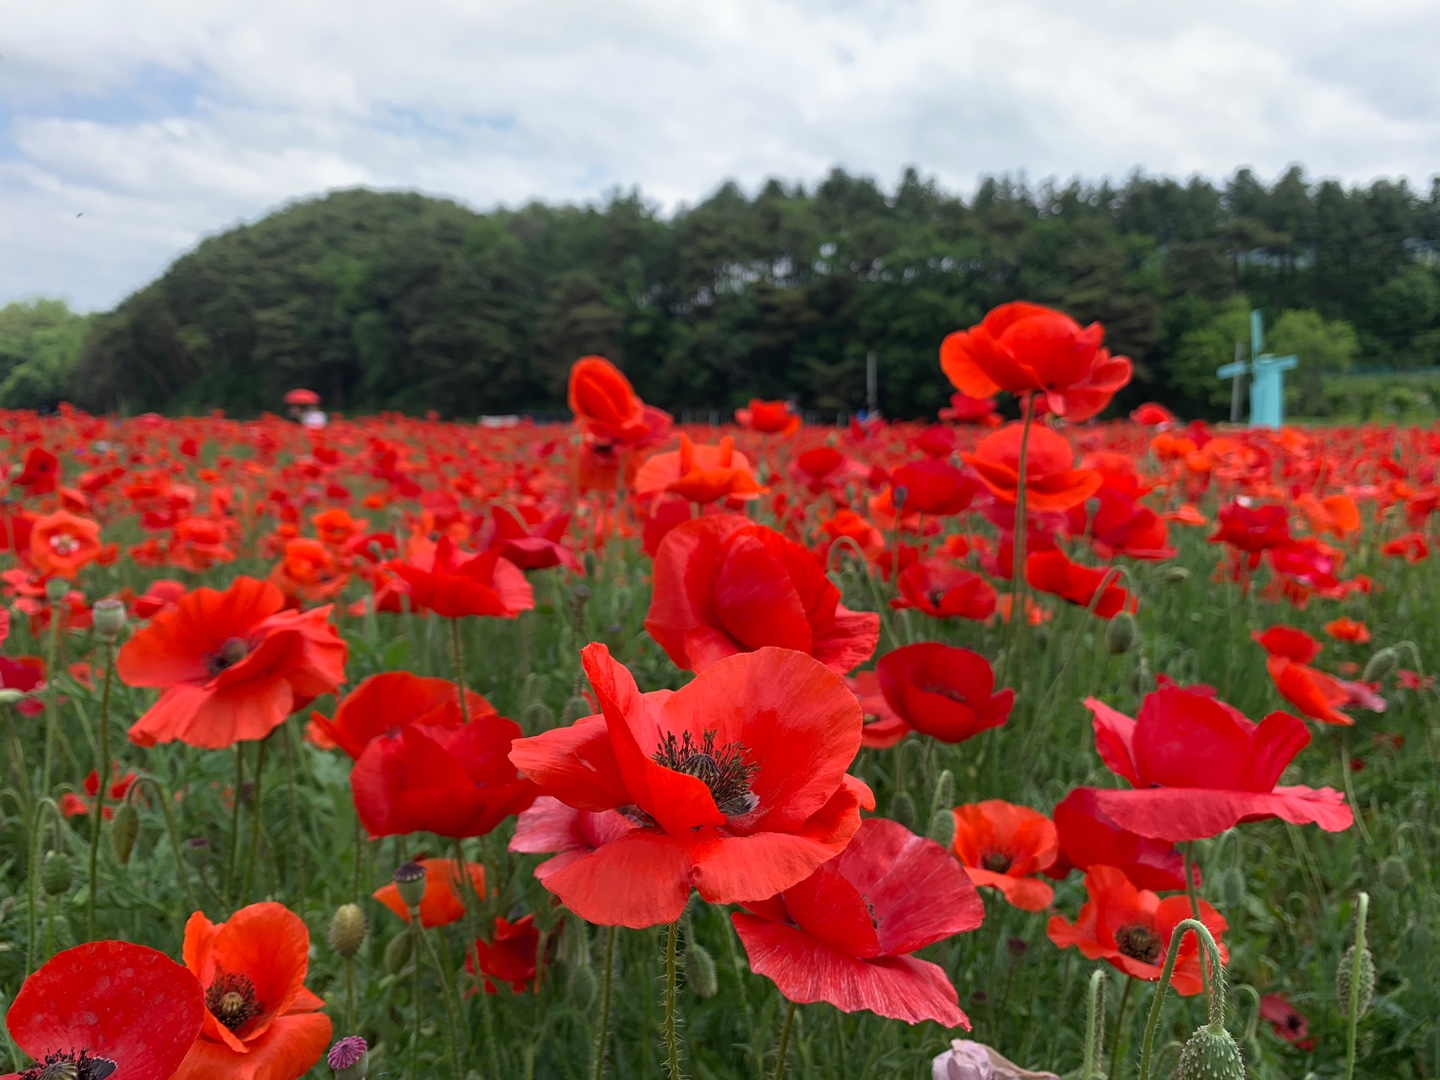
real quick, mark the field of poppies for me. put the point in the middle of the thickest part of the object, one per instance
(405, 748)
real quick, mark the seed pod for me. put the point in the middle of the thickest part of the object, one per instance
(349, 1059)
(1175, 575)
(577, 708)
(581, 985)
(942, 828)
(1344, 972)
(1394, 874)
(397, 953)
(1381, 663)
(347, 930)
(108, 618)
(410, 882)
(1210, 1054)
(1120, 634)
(124, 831)
(902, 809)
(56, 589)
(700, 971)
(56, 873)
(197, 851)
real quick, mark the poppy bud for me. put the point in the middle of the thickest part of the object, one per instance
(1210, 1054)
(349, 1059)
(581, 985)
(902, 809)
(1120, 634)
(700, 971)
(944, 792)
(124, 831)
(1380, 664)
(410, 881)
(577, 708)
(1345, 972)
(1142, 679)
(10, 696)
(1175, 575)
(1394, 874)
(347, 930)
(56, 589)
(109, 619)
(56, 873)
(397, 953)
(197, 851)
(942, 827)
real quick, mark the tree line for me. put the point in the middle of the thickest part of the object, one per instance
(397, 300)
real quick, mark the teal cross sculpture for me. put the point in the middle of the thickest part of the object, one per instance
(1267, 378)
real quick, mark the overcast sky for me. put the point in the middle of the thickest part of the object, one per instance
(129, 129)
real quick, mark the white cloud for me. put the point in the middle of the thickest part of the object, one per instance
(163, 120)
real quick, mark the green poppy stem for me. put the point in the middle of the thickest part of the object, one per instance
(602, 1032)
(783, 1051)
(1353, 1021)
(102, 770)
(672, 1039)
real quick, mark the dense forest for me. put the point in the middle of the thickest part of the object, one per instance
(392, 300)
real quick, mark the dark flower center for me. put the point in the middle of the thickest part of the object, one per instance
(231, 1000)
(726, 771)
(950, 692)
(936, 597)
(997, 862)
(1139, 943)
(70, 1066)
(231, 653)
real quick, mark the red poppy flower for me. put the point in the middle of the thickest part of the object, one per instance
(845, 934)
(1152, 415)
(770, 417)
(260, 1021)
(1001, 845)
(73, 805)
(62, 544)
(454, 585)
(1348, 629)
(932, 487)
(451, 781)
(1411, 547)
(701, 474)
(548, 826)
(736, 784)
(40, 474)
(118, 1006)
(1052, 572)
(1122, 526)
(532, 542)
(1315, 693)
(1052, 483)
(1130, 929)
(725, 585)
(232, 665)
(883, 726)
(27, 675)
(964, 409)
(1199, 767)
(1025, 348)
(607, 407)
(825, 468)
(941, 691)
(1089, 838)
(1286, 1021)
(510, 957)
(443, 902)
(385, 703)
(943, 590)
(159, 595)
(1252, 528)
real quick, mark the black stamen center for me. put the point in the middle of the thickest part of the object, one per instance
(1139, 943)
(997, 862)
(231, 653)
(726, 771)
(946, 692)
(231, 1000)
(70, 1066)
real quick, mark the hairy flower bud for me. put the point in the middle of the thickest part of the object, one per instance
(56, 873)
(700, 971)
(902, 809)
(1210, 1054)
(347, 930)
(1394, 874)
(582, 985)
(124, 831)
(1383, 662)
(1120, 634)
(1175, 575)
(397, 953)
(944, 793)
(1344, 975)
(577, 708)
(942, 827)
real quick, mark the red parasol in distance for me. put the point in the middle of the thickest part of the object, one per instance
(302, 397)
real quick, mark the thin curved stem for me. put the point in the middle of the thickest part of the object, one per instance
(1119, 1027)
(1353, 1025)
(1217, 998)
(783, 1052)
(457, 660)
(162, 797)
(447, 993)
(602, 1034)
(102, 770)
(1094, 1005)
(1194, 896)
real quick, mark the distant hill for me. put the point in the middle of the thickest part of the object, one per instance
(397, 300)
